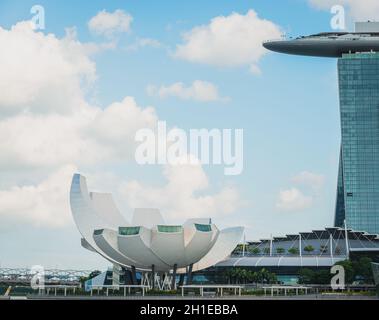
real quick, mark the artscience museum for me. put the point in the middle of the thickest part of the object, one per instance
(147, 245)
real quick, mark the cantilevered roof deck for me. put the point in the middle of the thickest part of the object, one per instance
(330, 44)
(281, 261)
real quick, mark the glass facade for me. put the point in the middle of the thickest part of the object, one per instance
(340, 203)
(358, 179)
(375, 270)
(203, 227)
(129, 231)
(98, 232)
(170, 229)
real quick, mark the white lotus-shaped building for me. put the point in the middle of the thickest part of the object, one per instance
(147, 243)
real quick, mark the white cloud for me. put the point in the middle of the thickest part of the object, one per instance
(142, 43)
(229, 41)
(114, 127)
(41, 73)
(199, 91)
(108, 24)
(182, 196)
(43, 205)
(44, 117)
(88, 136)
(309, 179)
(47, 126)
(293, 200)
(360, 10)
(46, 123)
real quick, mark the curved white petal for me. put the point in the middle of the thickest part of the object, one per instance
(107, 241)
(169, 247)
(105, 207)
(83, 213)
(97, 218)
(200, 245)
(137, 247)
(86, 245)
(227, 241)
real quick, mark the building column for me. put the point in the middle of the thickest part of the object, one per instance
(271, 246)
(134, 275)
(123, 276)
(181, 280)
(128, 277)
(347, 241)
(153, 276)
(189, 276)
(173, 283)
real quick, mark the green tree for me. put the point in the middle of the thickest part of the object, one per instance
(266, 250)
(322, 277)
(309, 248)
(93, 274)
(255, 251)
(280, 250)
(362, 268)
(229, 275)
(306, 276)
(264, 276)
(349, 270)
(293, 251)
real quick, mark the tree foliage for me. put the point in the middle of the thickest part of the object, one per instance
(244, 276)
(293, 250)
(355, 270)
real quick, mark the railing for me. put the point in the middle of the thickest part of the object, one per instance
(287, 255)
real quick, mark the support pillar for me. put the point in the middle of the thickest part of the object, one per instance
(189, 276)
(181, 280)
(271, 246)
(123, 276)
(134, 275)
(153, 276)
(128, 277)
(347, 241)
(173, 283)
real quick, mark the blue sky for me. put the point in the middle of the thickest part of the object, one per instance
(289, 113)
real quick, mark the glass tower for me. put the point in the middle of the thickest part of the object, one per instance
(358, 177)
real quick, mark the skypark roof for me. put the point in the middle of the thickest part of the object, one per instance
(326, 45)
(330, 44)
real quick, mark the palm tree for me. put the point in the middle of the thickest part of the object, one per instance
(244, 276)
(229, 275)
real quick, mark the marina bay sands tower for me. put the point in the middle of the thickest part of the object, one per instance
(357, 52)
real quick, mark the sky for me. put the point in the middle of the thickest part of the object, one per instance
(73, 95)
